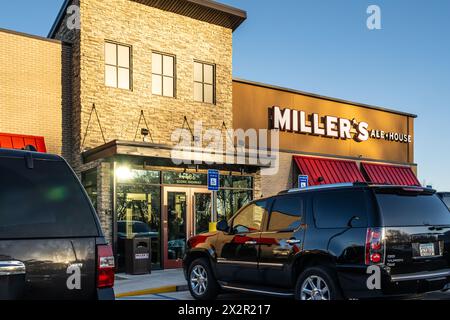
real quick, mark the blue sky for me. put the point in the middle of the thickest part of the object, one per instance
(324, 46)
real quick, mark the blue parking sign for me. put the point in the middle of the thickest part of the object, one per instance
(213, 180)
(303, 182)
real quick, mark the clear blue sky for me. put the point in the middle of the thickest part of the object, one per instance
(324, 46)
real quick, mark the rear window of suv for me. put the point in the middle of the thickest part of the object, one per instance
(412, 210)
(44, 202)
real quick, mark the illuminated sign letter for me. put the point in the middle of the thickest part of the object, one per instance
(331, 127)
(345, 127)
(363, 132)
(281, 119)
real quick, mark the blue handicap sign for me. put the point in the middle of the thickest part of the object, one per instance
(303, 182)
(213, 180)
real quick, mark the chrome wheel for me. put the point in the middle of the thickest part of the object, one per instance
(315, 288)
(199, 280)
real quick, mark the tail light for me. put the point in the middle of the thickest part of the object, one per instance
(374, 246)
(105, 267)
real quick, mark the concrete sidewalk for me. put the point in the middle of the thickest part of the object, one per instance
(160, 281)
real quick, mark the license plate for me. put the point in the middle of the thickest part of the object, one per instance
(427, 250)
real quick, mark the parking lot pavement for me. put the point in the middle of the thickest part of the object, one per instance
(185, 296)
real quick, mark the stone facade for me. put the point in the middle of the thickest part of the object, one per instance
(35, 89)
(145, 29)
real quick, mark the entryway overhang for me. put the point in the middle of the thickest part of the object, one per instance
(179, 156)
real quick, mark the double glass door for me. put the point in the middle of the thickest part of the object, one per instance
(186, 212)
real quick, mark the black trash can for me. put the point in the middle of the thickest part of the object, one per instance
(138, 256)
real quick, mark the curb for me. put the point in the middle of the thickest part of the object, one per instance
(143, 292)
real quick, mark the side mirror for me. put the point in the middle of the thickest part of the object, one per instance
(352, 220)
(223, 226)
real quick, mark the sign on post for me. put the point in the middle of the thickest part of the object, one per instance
(213, 180)
(214, 186)
(303, 182)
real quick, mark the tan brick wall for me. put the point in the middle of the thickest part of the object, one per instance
(35, 88)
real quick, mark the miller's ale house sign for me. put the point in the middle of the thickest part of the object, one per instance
(297, 121)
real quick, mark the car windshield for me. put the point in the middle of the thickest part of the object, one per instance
(412, 210)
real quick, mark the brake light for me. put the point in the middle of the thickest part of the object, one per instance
(374, 246)
(105, 267)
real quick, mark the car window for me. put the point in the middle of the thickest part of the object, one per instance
(335, 209)
(413, 210)
(43, 202)
(447, 201)
(286, 214)
(250, 218)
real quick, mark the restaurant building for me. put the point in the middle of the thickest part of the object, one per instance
(135, 71)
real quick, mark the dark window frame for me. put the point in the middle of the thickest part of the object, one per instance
(203, 83)
(174, 77)
(117, 67)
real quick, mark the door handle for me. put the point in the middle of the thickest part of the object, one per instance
(293, 241)
(11, 268)
(251, 243)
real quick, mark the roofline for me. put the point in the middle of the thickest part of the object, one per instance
(204, 3)
(32, 36)
(59, 19)
(314, 95)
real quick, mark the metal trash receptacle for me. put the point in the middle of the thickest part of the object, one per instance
(138, 259)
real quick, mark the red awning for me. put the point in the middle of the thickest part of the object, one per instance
(16, 141)
(392, 175)
(329, 171)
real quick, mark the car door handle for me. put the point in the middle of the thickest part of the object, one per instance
(251, 243)
(12, 268)
(293, 241)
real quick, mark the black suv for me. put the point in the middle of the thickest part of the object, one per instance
(51, 243)
(326, 243)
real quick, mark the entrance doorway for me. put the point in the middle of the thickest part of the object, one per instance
(186, 213)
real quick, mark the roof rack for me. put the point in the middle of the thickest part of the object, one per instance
(326, 186)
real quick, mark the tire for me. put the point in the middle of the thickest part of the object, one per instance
(322, 278)
(201, 281)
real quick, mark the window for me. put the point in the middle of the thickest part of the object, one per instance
(34, 202)
(334, 210)
(163, 75)
(286, 214)
(250, 218)
(400, 210)
(117, 66)
(204, 82)
(447, 201)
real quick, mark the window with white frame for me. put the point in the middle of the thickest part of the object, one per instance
(204, 82)
(163, 74)
(117, 66)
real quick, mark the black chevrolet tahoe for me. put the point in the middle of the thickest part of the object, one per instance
(332, 242)
(51, 243)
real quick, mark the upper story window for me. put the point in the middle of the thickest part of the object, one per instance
(204, 82)
(163, 75)
(117, 66)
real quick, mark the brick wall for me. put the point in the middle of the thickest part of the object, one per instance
(35, 88)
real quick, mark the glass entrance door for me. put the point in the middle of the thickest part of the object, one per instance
(186, 212)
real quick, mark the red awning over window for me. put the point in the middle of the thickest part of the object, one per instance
(388, 174)
(328, 171)
(16, 141)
